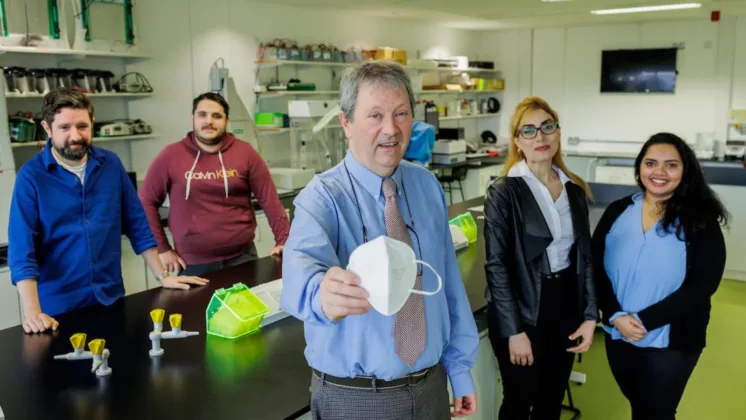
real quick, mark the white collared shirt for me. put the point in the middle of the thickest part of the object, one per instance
(556, 213)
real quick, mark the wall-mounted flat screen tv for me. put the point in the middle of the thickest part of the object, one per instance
(639, 71)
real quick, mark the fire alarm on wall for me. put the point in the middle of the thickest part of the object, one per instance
(715, 16)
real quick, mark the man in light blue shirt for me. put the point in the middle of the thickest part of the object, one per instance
(358, 371)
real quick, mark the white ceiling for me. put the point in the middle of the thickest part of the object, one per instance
(505, 14)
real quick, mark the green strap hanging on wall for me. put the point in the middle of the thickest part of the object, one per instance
(54, 19)
(4, 18)
(85, 14)
(129, 31)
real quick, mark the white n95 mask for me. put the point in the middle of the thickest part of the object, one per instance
(388, 271)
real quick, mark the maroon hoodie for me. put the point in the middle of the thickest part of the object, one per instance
(211, 216)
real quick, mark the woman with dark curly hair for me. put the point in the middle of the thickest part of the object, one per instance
(660, 256)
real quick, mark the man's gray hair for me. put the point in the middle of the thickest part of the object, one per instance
(376, 73)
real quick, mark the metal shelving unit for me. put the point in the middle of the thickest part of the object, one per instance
(279, 94)
(280, 63)
(4, 49)
(468, 117)
(90, 95)
(61, 55)
(95, 140)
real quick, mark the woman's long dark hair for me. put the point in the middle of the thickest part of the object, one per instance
(694, 205)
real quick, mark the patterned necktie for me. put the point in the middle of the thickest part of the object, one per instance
(410, 332)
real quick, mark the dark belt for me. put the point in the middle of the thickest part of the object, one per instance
(367, 382)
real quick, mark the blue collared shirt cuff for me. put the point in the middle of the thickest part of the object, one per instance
(462, 384)
(316, 307)
(617, 315)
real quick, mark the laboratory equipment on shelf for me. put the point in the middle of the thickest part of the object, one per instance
(310, 120)
(241, 124)
(448, 152)
(98, 353)
(157, 334)
(735, 144)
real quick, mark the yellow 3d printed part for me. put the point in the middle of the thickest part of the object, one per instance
(78, 340)
(175, 320)
(157, 315)
(97, 346)
(466, 223)
(234, 312)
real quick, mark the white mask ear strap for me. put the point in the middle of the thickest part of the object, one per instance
(440, 281)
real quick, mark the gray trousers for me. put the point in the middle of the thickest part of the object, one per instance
(201, 269)
(426, 400)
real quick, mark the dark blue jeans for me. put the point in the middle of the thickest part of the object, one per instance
(201, 269)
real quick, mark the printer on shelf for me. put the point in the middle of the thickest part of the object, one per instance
(450, 147)
(447, 152)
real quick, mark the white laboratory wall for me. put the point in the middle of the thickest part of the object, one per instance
(36, 10)
(563, 65)
(548, 72)
(186, 43)
(589, 114)
(511, 51)
(739, 66)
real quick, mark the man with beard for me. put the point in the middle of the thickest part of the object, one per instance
(71, 205)
(209, 177)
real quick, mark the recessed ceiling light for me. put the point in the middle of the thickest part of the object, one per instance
(660, 8)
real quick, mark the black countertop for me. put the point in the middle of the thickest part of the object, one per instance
(262, 376)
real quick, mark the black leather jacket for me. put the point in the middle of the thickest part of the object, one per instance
(516, 237)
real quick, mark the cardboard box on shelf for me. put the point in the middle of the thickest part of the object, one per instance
(387, 53)
(453, 87)
(430, 78)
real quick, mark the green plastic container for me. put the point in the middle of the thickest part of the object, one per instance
(466, 223)
(269, 119)
(22, 130)
(234, 312)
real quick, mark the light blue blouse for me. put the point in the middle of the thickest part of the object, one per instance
(644, 268)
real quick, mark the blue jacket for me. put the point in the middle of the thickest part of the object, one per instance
(68, 235)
